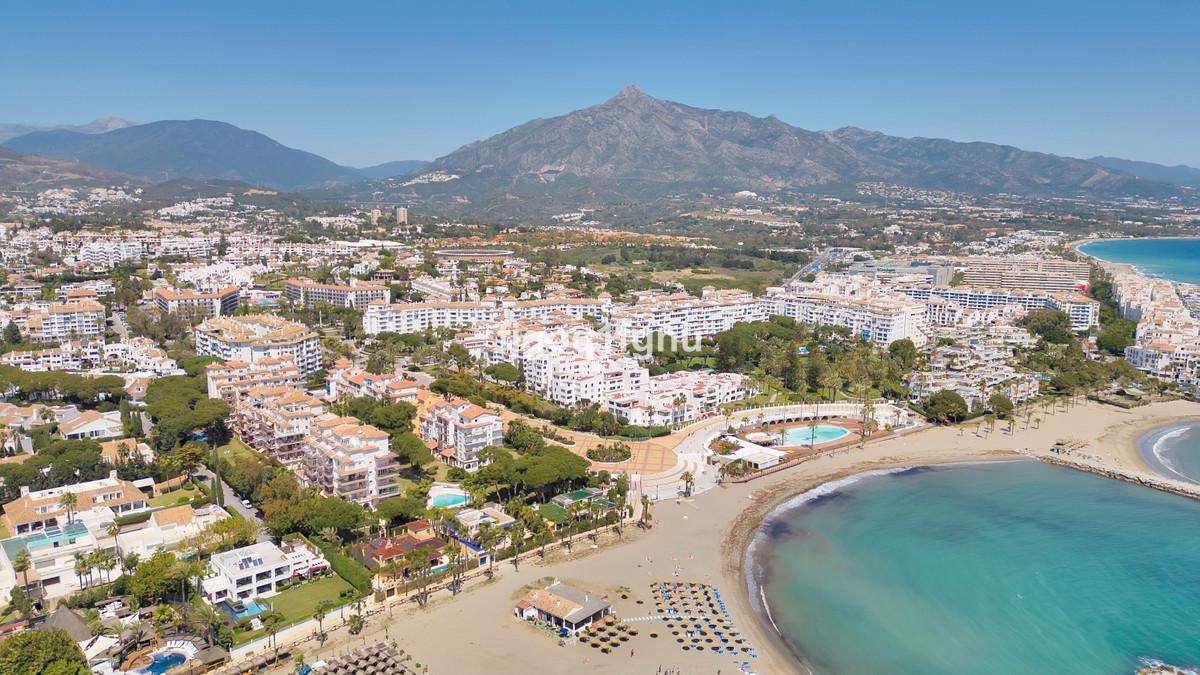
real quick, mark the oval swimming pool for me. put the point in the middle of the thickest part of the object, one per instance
(448, 499)
(822, 433)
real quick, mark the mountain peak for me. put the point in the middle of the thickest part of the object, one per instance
(630, 91)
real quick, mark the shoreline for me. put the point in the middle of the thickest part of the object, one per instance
(1113, 266)
(1122, 441)
(755, 572)
(705, 538)
(1148, 442)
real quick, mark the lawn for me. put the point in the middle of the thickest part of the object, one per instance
(553, 512)
(236, 449)
(297, 604)
(174, 497)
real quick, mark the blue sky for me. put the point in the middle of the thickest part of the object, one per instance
(363, 83)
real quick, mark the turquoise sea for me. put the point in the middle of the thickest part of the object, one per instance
(1174, 259)
(1174, 451)
(1017, 567)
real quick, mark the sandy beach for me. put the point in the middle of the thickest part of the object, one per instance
(704, 538)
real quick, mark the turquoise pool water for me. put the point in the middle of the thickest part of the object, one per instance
(447, 500)
(161, 663)
(990, 569)
(251, 609)
(823, 433)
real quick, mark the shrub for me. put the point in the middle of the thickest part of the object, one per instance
(616, 452)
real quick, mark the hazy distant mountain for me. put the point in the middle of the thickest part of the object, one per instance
(98, 126)
(1175, 175)
(19, 171)
(199, 149)
(389, 169)
(636, 146)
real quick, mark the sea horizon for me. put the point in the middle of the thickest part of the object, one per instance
(1173, 258)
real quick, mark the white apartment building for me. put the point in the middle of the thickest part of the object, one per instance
(418, 316)
(61, 321)
(221, 302)
(104, 253)
(143, 355)
(257, 337)
(1029, 272)
(1083, 311)
(229, 381)
(347, 459)
(683, 316)
(564, 360)
(459, 429)
(879, 319)
(186, 247)
(357, 295)
(348, 381)
(676, 398)
(414, 317)
(977, 367)
(69, 355)
(274, 420)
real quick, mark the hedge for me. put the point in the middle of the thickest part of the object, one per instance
(133, 518)
(346, 567)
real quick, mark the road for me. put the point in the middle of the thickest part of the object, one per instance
(234, 503)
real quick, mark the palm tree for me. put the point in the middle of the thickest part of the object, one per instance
(21, 565)
(112, 530)
(330, 535)
(107, 562)
(68, 501)
(516, 532)
(319, 614)
(485, 538)
(206, 616)
(688, 481)
(454, 561)
(82, 568)
(272, 622)
(412, 565)
(162, 616)
(645, 516)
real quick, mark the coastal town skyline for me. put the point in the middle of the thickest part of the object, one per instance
(392, 339)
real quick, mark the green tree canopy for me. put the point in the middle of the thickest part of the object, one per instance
(42, 652)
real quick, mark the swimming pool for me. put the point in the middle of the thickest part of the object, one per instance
(162, 662)
(447, 495)
(448, 500)
(823, 433)
(249, 609)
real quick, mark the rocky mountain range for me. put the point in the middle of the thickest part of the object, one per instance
(98, 126)
(1186, 176)
(631, 149)
(198, 149)
(635, 146)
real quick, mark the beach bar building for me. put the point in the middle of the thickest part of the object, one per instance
(566, 608)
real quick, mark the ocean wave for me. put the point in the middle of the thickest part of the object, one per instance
(1155, 666)
(1161, 447)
